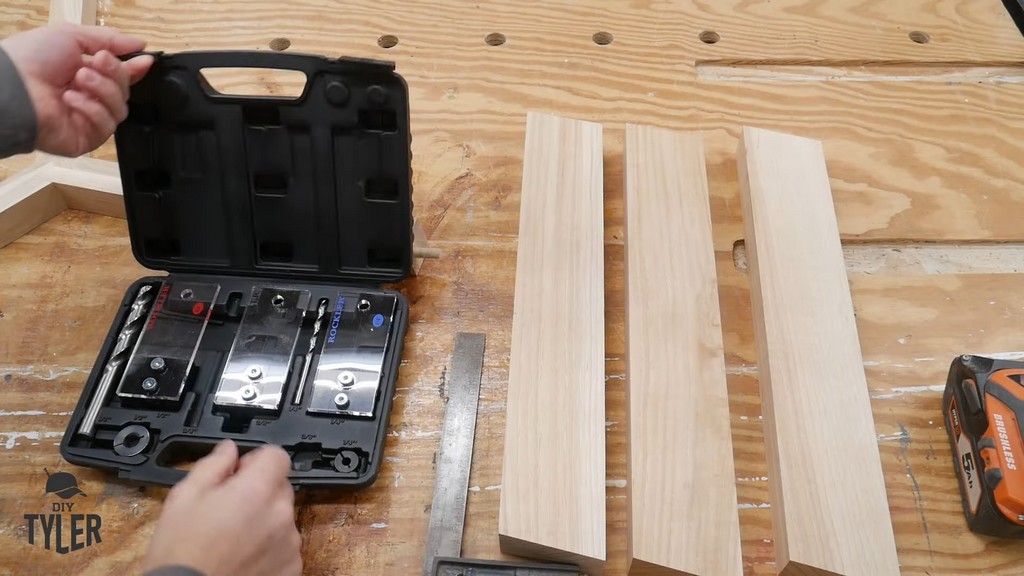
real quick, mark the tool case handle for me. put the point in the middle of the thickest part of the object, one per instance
(308, 64)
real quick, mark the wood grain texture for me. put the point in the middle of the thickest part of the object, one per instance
(682, 500)
(553, 488)
(909, 162)
(830, 515)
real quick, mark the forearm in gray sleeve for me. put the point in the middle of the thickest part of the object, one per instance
(18, 130)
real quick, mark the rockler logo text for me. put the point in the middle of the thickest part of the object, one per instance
(64, 529)
(335, 320)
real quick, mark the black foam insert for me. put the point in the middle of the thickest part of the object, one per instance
(317, 187)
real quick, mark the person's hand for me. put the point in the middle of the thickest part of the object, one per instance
(78, 85)
(231, 516)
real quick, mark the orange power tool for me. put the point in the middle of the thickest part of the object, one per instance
(983, 406)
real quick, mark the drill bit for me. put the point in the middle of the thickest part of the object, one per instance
(118, 358)
(321, 310)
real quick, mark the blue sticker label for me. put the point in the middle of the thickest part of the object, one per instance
(378, 320)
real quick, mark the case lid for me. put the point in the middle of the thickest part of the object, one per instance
(317, 187)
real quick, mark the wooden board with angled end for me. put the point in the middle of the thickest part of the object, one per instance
(830, 514)
(683, 517)
(553, 480)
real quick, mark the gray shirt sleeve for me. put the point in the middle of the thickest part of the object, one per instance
(18, 130)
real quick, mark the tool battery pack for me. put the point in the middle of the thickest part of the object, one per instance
(271, 224)
(983, 405)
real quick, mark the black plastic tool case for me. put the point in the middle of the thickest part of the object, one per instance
(241, 192)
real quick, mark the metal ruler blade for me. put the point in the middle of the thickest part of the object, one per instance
(455, 455)
(461, 567)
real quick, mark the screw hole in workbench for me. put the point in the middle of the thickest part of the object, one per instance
(920, 37)
(280, 44)
(709, 37)
(494, 39)
(387, 41)
(602, 38)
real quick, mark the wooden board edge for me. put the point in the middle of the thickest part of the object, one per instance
(589, 565)
(92, 201)
(638, 567)
(775, 493)
(673, 153)
(799, 569)
(89, 185)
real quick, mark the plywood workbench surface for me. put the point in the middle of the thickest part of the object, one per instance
(919, 105)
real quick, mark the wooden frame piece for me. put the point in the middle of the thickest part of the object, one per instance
(73, 12)
(53, 185)
(553, 484)
(34, 196)
(682, 498)
(830, 515)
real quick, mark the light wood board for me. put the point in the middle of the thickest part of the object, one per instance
(682, 488)
(830, 513)
(553, 479)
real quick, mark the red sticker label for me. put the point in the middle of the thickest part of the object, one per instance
(198, 308)
(954, 417)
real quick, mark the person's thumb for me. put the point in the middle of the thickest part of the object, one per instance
(137, 67)
(214, 468)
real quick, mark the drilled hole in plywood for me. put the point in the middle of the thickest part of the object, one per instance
(387, 41)
(920, 37)
(602, 38)
(709, 37)
(280, 44)
(494, 39)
